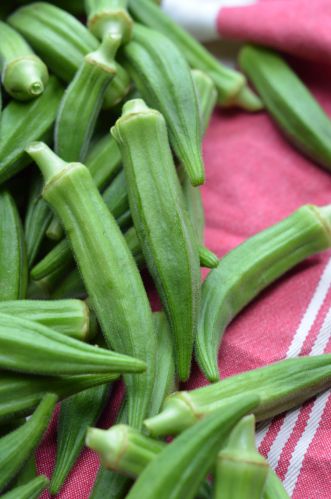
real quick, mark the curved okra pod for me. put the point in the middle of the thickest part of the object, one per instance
(21, 393)
(249, 269)
(274, 489)
(181, 467)
(109, 272)
(24, 122)
(37, 219)
(281, 386)
(290, 103)
(109, 16)
(62, 42)
(30, 490)
(231, 85)
(29, 347)
(240, 470)
(76, 415)
(164, 80)
(69, 317)
(23, 74)
(82, 101)
(169, 248)
(16, 447)
(13, 270)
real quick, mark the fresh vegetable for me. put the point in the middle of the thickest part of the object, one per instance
(30, 490)
(109, 16)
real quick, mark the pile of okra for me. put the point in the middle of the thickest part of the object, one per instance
(104, 108)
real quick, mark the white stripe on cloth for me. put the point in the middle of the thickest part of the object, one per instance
(199, 18)
(291, 418)
(294, 350)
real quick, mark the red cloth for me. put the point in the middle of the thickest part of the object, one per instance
(299, 27)
(254, 179)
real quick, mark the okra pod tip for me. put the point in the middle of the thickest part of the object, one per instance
(25, 78)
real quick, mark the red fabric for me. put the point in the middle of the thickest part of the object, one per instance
(254, 179)
(299, 27)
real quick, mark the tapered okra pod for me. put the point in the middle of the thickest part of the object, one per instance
(231, 85)
(280, 386)
(77, 414)
(170, 248)
(289, 102)
(111, 277)
(13, 271)
(180, 468)
(30, 490)
(16, 447)
(24, 122)
(23, 74)
(103, 161)
(109, 16)
(244, 272)
(21, 393)
(69, 317)
(27, 346)
(38, 217)
(240, 470)
(274, 489)
(164, 80)
(207, 95)
(62, 42)
(82, 101)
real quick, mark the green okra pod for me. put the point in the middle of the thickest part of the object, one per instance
(281, 386)
(23, 74)
(82, 101)
(24, 122)
(16, 447)
(13, 270)
(274, 489)
(28, 472)
(76, 415)
(30, 490)
(111, 277)
(109, 16)
(69, 317)
(37, 219)
(290, 103)
(29, 347)
(240, 470)
(230, 84)
(207, 95)
(70, 286)
(104, 161)
(247, 270)
(62, 42)
(207, 258)
(21, 393)
(170, 248)
(181, 467)
(163, 78)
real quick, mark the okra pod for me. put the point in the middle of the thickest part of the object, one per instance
(16, 447)
(14, 270)
(274, 489)
(169, 248)
(28, 472)
(21, 393)
(230, 84)
(244, 272)
(207, 96)
(207, 258)
(82, 101)
(163, 78)
(280, 386)
(109, 16)
(240, 470)
(104, 161)
(69, 317)
(290, 103)
(24, 122)
(76, 415)
(62, 42)
(30, 490)
(37, 219)
(70, 286)
(111, 277)
(180, 468)
(23, 74)
(29, 347)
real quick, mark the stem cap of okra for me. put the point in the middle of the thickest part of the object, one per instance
(112, 21)
(25, 78)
